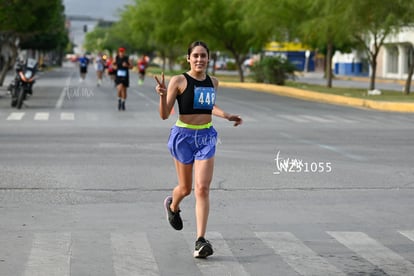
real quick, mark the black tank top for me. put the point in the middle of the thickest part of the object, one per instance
(122, 71)
(198, 97)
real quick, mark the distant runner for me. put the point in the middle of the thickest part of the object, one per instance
(122, 64)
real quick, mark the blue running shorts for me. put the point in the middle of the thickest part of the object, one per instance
(187, 145)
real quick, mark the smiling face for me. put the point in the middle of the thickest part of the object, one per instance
(198, 59)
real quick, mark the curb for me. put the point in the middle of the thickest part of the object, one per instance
(322, 97)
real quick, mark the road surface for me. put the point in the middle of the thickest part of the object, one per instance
(300, 188)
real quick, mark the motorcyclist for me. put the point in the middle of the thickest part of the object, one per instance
(25, 72)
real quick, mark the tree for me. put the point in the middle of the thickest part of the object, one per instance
(372, 23)
(138, 21)
(224, 24)
(53, 37)
(155, 24)
(326, 28)
(23, 21)
(10, 15)
(317, 23)
(409, 21)
(169, 26)
(98, 40)
(407, 85)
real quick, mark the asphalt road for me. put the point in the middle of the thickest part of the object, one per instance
(301, 188)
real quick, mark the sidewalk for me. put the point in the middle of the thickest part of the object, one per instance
(320, 75)
(7, 80)
(323, 97)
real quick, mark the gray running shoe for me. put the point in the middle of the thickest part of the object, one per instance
(173, 217)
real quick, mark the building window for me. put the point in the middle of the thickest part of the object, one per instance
(392, 59)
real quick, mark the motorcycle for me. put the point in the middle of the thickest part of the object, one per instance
(22, 84)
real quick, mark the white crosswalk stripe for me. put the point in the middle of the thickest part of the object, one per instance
(132, 255)
(50, 255)
(66, 116)
(224, 261)
(15, 116)
(41, 116)
(295, 253)
(102, 116)
(375, 252)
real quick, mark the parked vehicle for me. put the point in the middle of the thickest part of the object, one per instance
(22, 85)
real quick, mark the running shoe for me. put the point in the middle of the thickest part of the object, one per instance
(203, 248)
(173, 217)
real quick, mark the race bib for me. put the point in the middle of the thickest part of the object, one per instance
(204, 98)
(121, 73)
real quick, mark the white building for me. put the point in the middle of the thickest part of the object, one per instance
(392, 62)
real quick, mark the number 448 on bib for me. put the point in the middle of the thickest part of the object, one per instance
(204, 97)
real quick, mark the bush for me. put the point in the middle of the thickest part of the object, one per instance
(231, 65)
(274, 70)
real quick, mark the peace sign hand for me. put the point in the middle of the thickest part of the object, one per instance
(161, 88)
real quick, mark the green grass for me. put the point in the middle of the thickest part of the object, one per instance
(362, 93)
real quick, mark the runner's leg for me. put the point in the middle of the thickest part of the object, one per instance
(185, 181)
(203, 175)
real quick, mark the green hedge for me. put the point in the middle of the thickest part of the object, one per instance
(274, 70)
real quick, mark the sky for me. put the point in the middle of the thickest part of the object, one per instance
(99, 9)
(105, 9)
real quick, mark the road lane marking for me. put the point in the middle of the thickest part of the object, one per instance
(374, 252)
(224, 261)
(317, 119)
(50, 255)
(339, 119)
(67, 116)
(408, 234)
(293, 118)
(61, 99)
(327, 147)
(297, 255)
(132, 255)
(15, 116)
(341, 152)
(41, 116)
(64, 92)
